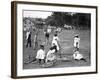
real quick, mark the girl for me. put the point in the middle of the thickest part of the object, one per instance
(55, 41)
(76, 42)
(41, 55)
(50, 55)
(78, 56)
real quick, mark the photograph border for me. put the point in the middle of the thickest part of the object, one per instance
(14, 37)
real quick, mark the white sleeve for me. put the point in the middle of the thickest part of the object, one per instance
(53, 51)
(74, 56)
(48, 53)
(44, 52)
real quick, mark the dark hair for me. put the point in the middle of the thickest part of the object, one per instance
(41, 46)
(53, 47)
(55, 34)
(77, 35)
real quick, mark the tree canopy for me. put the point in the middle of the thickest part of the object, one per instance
(78, 20)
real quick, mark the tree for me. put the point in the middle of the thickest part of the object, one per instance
(78, 20)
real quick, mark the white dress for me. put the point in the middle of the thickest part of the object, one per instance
(77, 55)
(49, 30)
(40, 54)
(55, 38)
(50, 55)
(76, 40)
(56, 43)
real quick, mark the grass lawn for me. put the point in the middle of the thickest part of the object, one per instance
(66, 43)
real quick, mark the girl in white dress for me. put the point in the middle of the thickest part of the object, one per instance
(78, 56)
(55, 41)
(76, 42)
(41, 54)
(51, 54)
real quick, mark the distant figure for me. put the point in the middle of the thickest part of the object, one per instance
(35, 41)
(55, 37)
(44, 31)
(41, 55)
(78, 56)
(55, 41)
(76, 42)
(46, 37)
(49, 30)
(28, 38)
(59, 30)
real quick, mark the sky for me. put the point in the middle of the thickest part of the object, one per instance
(36, 14)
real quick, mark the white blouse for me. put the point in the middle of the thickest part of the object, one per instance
(50, 55)
(40, 54)
(55, 42)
